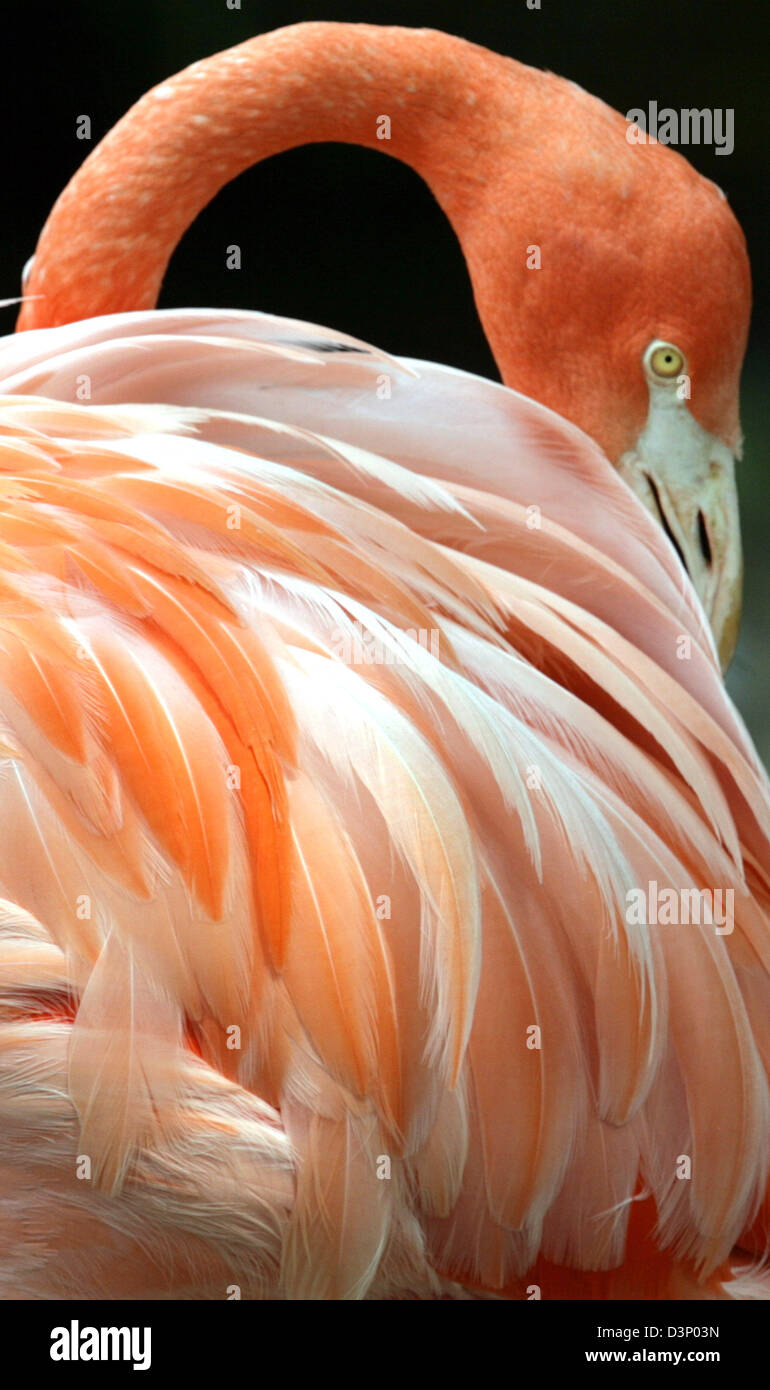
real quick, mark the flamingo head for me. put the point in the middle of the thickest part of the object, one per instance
(629, 315)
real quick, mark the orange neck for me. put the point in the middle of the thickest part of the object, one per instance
(109, 238)
(522, 163)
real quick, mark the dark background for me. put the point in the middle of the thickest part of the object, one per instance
(346, 238)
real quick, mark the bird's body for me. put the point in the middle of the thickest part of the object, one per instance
(348, 705)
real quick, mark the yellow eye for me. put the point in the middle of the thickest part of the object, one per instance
(665, 361)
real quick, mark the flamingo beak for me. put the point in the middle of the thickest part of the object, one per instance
(686, 479)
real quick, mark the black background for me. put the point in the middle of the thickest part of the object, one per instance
(350, 239)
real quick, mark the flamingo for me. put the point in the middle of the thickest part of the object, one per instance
(350, 704)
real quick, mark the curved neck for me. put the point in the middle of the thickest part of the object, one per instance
(421, 96)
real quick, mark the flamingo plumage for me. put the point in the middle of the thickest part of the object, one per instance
(347, 702)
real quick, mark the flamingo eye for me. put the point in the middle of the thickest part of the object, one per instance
(664, 361)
